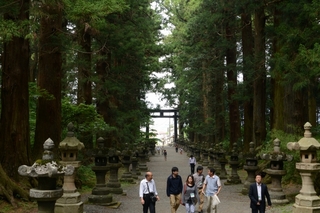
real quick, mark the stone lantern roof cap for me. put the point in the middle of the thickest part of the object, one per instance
(71, 142)
(308, 142)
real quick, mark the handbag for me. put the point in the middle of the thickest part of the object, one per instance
(152, 195)
(215, 200)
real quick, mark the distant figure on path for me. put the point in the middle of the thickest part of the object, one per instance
(192, 162)
(181, 150)
(199, 179)
(146, 190)
(258, 193)
(176, 148)
(174, 189)
(189, 195)
(165, 154)
(211, 186)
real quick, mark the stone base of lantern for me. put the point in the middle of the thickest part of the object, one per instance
(127, 177)
(103, 200)
(69, 202)
(114, 187)
(306, 204)
(278, 197)
(143, 167)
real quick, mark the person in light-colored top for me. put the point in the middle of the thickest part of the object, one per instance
(146, 190)
(192, 162)
(211, 187)
(189, 196)
(199, 179)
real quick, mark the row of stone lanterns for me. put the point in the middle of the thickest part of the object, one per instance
(52, 199)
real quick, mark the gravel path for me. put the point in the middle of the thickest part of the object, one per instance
(232, 201)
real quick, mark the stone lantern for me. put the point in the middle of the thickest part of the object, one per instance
(251, 167)
(234, 164)
(100, 193)
(46, 171)
(126, 161)
(71, 199)
(276, 172)
(223, 161)
(205, 153)
(114, 164)
(307, 200)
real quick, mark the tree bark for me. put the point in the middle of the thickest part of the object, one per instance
(84, 76)
(48, 124)
(14, 132)
(231, 60)
(259, 85)
(247, 51)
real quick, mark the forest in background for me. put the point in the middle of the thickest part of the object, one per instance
(241, 69)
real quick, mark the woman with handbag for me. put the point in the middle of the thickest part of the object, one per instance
(190, 195)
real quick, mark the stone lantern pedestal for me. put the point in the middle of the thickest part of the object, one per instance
(276, 172)
(100, 193)
(211, 158)
(143, 159)
(205, 161)
(46, 171)
(114, 164)
(134, 163)
(71, 198)
(251, 167)
(223, 161)
(234, 164)
(307, 200)
(126, 161)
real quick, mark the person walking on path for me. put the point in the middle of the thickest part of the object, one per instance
(199, 179)
(211, 187)
(192, 162)
(189, 196)
(174, 189)
(165, 154)
(258, 193)
(146, 190)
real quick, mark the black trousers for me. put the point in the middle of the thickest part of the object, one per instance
(148, 204)
(192, 168)
(260, 209)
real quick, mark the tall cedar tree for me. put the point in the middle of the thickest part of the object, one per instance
(259, 84)
(247, 70)
(48, 124)
(14, 131)
(130, 55)
(232, 74)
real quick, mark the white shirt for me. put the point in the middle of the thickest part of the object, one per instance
(192, 160)
(259, 191)
(144, 189)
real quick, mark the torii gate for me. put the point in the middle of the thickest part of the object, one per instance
(166, 113)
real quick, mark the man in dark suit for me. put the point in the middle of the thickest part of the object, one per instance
(258, 193)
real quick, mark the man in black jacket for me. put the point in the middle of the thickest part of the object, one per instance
(258, 193)
(174, 189)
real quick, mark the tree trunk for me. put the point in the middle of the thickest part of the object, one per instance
(231, 60)
(247, 51)
(206, 90)
(259, 84)
(278, 93)
(84, 76)
(14, 132)
(103, 104)
(48, 124)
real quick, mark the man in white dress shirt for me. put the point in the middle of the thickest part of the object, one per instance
(148, 189)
